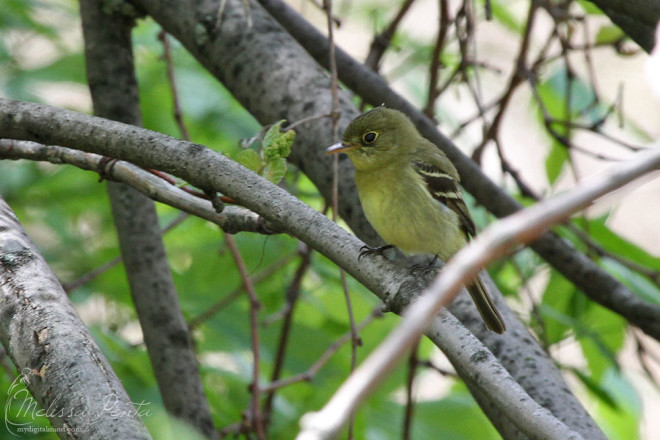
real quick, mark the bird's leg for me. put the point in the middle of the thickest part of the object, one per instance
(424, 267)
(366, 250)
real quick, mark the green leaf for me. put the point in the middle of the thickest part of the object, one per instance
(609, 34)
(277, 144)
(250, 159)
(558, 307)
(601, 393)
(601, 334)
(275, 170)
(554, 162)
(618, 245)
(590, 8)
(503, 13)
(638, 283)
(622, 422)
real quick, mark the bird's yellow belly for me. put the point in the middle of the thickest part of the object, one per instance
(409, 218)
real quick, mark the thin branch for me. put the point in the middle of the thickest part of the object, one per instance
(255, 419)
(436, 64)
(176, 105)
(325, 357)
(292, 294)
(432, 366)
(197, 320)
(413, 363)
(296, 124)
(645, 357)
(382, 41)
(334, 90)
(517, 78)
(232, 220)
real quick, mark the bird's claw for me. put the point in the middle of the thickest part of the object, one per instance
(366, 250)
(424, 267)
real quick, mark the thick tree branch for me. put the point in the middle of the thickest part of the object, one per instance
(208, 169)
(232, 220)
(59, 361)
(114, 90)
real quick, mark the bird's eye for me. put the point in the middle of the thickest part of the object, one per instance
(369, 137)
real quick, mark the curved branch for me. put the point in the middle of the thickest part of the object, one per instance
(205, 169)
(232, 220)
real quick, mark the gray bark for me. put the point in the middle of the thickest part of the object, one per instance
(111, 78)
(58, 359)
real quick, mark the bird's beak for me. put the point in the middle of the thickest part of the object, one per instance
(339, 147)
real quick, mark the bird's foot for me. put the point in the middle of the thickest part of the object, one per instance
(366, 250)
(424, 268)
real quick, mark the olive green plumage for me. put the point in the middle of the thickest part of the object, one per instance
(410, 192)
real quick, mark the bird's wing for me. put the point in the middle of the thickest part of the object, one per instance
(443, 186)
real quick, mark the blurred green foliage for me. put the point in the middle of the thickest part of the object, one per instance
(66, 213)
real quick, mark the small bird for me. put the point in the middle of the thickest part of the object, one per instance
(409, 192)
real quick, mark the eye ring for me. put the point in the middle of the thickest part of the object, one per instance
(369, 137)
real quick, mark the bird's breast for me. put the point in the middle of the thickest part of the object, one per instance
(403, 212)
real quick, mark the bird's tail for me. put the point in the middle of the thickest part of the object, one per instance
(486, 307)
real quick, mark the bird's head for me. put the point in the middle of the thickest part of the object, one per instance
(377, 138)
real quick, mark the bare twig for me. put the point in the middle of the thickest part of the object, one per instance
(254, 417)
(435, 64)
(517, 78)
(413, 363)
(235, 294)
(325, 357)
(292, 294)
(167, 55)
(382, 41)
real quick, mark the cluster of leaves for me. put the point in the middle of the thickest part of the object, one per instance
(270, 160)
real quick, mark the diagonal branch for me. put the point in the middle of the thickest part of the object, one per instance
(58, 359)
